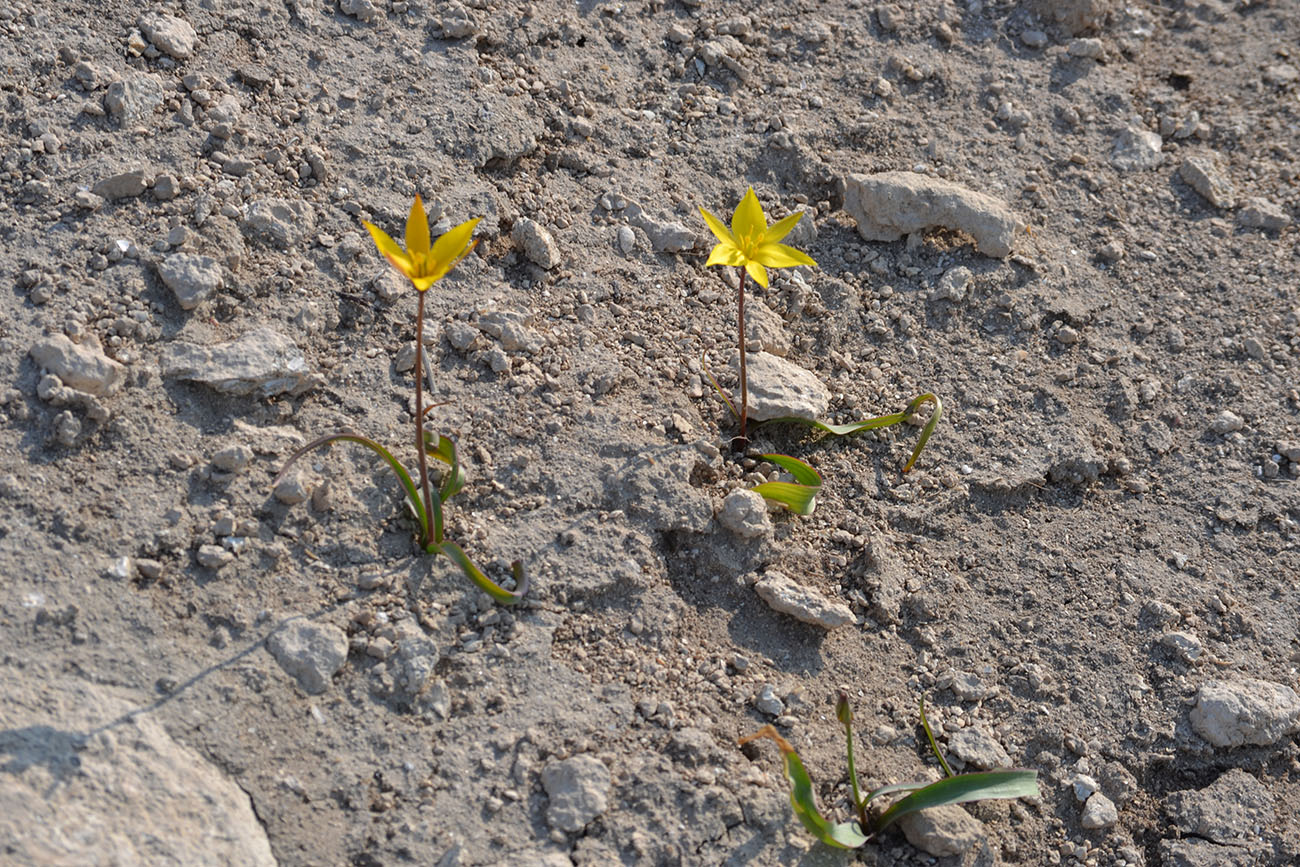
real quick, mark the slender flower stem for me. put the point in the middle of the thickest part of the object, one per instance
(427, 531)
(744, 380)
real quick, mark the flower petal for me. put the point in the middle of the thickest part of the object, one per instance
(389, 249)
(719, 229)
(758, 272)
(781, 228)
(725, 254)
(417, 230)
(748, 220)
(781, 256)
(453, 246)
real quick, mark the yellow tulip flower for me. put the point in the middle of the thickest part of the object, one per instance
(424, 265)
(751, 242)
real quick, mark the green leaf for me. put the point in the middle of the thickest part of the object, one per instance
(799, 496)
(879, 422)
(445, 451)
(803, 474)
(961, 789)
(412, 493)
(934, 747)
(842, 835)
(486, 584)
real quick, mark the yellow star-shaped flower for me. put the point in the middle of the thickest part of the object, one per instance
(752, 242)
(424, 265)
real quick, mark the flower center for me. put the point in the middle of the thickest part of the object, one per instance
(750, 243)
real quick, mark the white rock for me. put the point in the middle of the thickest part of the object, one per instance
(1137, 149)
(262, 362)
(979, 749)
(626, 240)
(578, 789)
(1227, 422)
(1187, 644)
(362, 10)
(82, 366)
(309, 652)
(782, 389)
(768, 702)
(279, 223)
(954, 284)
(784, 595)
(942, 831)
(123, 185)
(213, 557)
(1245, 712)
(1099, 812)
(1084, 786)
(232, 459)
(172, 36)
(1090, 48)
(889, 205)
(134, 99)
(1201, 175)
(192, 278)
(1257, 213)
(666, 236)
(537, 244)
(745, 514)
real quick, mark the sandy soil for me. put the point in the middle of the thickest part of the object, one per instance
(1092, 571)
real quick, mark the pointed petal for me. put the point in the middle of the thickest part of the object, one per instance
(451, 247)
(422, 283)
(781, 256)
(748, 219)
(417, 229)
(725, 254)
(389, 249)
(718, 228)
(757, 272)
(781, 228)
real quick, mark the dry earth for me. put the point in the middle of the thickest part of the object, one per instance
(1091, 572)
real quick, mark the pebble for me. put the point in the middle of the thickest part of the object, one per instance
(890, 17)
(1033, 38)
(626, 240)
(279, 223)
(1187, 645)
(461, 335)
(979, 749)
(666, 236)
(82, 366)
(124, 185)
(782, 389)
(170, 35)
(1230, 810)
(1137, 149)
(1245, 712)
(804, 604)
(1258, 213)
(537, 244)
(1084, 786)
(262, 362)
(889, 205)
(942, 831)
(1227, 421)
(1089, 48)
(954, 284)
(309, 652)
(213, 556)
(1201, 175)
(192, 278)
(67, 428)
(233, 459)
(1099, 812)
(578, 789)
(292, 489)
(745, 514)
(134, 99)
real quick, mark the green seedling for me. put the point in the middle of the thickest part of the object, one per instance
(799, 496)
(868, 823)
(425, 264)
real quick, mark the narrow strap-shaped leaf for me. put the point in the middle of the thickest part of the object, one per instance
(878, 422)
(934, 746)
(412, 493)
(445, 451)
(803, 473)
(722, 394)
(842, 835)
(844, 713)
(893, 789)
(800, 499)
(486, 584)
(962, 788)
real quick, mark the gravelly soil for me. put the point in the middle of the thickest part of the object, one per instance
(1103, 527)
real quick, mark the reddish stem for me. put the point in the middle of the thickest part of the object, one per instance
(419, 424)
(744, 380)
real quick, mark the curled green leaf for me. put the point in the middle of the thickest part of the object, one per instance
(799, 496)
(445, 451)
(960, 789)
(879, 422)
(486, 584)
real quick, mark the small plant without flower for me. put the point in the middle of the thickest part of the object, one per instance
(425, 264)
(952, 789)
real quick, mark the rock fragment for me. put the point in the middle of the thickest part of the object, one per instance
(782, 389)
(942, 831)
(1137, 149)
(979, 749)
(578, 789)
(262, 362)
(1258, 213)
(1245, 712)
(170, 35)
(123, 185)
(1099, 812)
(192, 278)
(537, 244)
(745, 514)
(1229, 810)
(309, 652)
(1201, 175)
(666, 236)
(134, 99)
(279, 223)
(889, 205)
(808, 606)
(82, 366)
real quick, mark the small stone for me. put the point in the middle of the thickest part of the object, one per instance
(537, 244)
(1245, 712)
(362, 10)
(292, 489)
(1187, 645)
(1067, 335)
(784, 595)
(82, 366)
(781, 389)
(1137, 149)
(767, 701)
(1084, 786)
(461, 335)
(149, 569)
(133, 100)
(942, 831)
(279, 223)
(1099, 812)
(890, 17)
(1227, 421)
(309, 652)
(666, 236)
(232, 459)
(1230, 810)
(67, 428)
(1033, 38)
(1201, 175)
(213, 556)
(1258, 213)
(125, 185)
(262, 362)
(1089, 48)
(745, 514)
(578, 789)
(978, 748)
(626, 240)
(172, 36)
(404, 360)
(323, 497)
(192, 278)
(889, 205)
(954, 284)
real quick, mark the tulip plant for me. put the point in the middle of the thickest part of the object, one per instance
(424, 264)
(866, 824)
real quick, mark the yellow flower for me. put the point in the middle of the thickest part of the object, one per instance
(423, 265)
(751, 242)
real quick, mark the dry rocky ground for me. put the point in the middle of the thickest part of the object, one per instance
(1073, 221)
